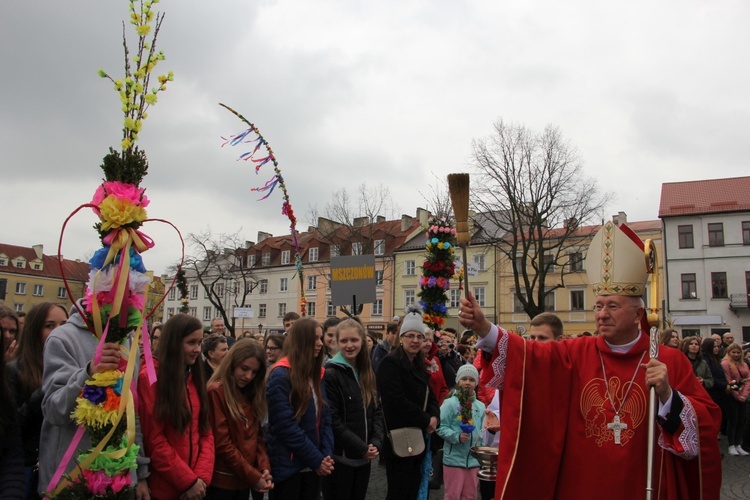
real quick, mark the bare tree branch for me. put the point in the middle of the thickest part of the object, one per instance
(532, 186)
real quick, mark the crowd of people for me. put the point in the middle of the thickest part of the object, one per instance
(289, 416)
(307, 413)
(721, 366)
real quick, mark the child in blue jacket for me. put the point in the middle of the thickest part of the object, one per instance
(461, 431)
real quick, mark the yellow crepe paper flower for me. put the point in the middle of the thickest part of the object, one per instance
(105, 379)
(91, 415)
(116, 212)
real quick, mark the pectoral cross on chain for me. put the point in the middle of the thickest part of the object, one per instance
(617, 427)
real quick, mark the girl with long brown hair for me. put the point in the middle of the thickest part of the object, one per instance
(738, 376)
(237, 402)
(355, 413)
(174, 414)
(25, 379)
(300, 439)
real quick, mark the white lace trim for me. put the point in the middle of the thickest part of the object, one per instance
(688, 438)
(498, 366)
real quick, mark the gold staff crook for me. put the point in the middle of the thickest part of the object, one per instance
(652, 266)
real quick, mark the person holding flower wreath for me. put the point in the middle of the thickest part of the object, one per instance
(461, 424)
(737, 374)
(68, 354)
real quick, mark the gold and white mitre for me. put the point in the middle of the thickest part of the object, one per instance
(616, 263)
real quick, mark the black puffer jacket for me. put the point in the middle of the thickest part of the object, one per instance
(353, 428)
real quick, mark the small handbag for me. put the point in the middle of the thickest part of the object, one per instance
(408, 441)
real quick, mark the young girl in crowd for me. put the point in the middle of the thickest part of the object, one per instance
(11, 448)
(460, 468)
(174, 414)
(737, 374)
(237, 402)
(300, 439)
(355, 413)
(25, 378)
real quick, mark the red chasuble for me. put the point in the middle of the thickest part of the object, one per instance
(556, 441)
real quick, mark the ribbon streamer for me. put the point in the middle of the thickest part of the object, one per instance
(269, 186)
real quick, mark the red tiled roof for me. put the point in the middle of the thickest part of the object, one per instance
(705, 197)
(77, 271)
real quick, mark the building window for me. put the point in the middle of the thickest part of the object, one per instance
(37, 267)
(62, 293)
(549, 302)
(716, 234)
(172, 293)
(379, 278)
(685, 234)
(517, 304)
(170, 312)
(747, 282)
(577, 300)
(335, 251)
(331, 309)
(206, 293)
(357, 248)
(328, 281)
(576, 262)
(311, 309)
(248, 287)
(192, 311)
(719, 285)
(18, 307)
(410, 268)
(479, 261)
(219, 289)
(207, 313)
(285, 256)
(251, 260)
(746, 233)
(455, 298)
(265, 259)
(20, 288)
(379, 247)
(409, 297)
(312, 282)
(193, 292)
(313, 255)
(263, 286)
(691, 332)
(38, 290)
(3, 261)
(20, 264)
(261, 310)
(479, 295)
(282, 309)
(283, 284)
(689, 290)
(377, 307)
(548, 260)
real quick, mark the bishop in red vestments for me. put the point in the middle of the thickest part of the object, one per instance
(575, 413)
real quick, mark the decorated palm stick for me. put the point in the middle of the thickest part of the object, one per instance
(458, 187)
(653, 321)
(245, 137)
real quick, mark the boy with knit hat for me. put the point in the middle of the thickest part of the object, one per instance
(461, 422)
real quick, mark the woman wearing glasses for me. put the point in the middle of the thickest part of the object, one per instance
(407, 402)
(274, 343)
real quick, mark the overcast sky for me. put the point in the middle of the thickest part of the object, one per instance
(352, 91)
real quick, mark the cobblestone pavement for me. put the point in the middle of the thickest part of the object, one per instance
(735, 483)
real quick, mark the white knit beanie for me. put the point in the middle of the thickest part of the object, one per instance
(467, 370)
(412, 321)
